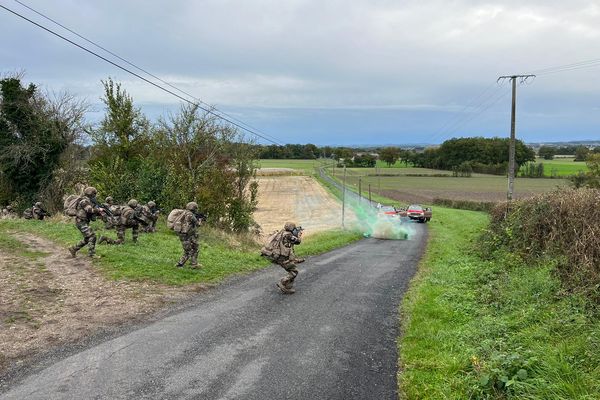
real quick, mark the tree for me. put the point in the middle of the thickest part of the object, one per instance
(547, 152)
(36, 132)
(590, 178)
(581, 153)
(389, 155)
(120, 144)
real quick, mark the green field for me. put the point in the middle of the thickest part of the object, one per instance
(154, 257)
(424, 189)
(303, 165)
(562, 166)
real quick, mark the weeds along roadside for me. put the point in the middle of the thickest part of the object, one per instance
(153, 258)
(486, 324)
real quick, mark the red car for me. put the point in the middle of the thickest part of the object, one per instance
(417, 212)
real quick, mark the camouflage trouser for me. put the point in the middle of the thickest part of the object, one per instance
(89, 237)
(151, 227)
(121, 235)
(189, 242)
(291, 269)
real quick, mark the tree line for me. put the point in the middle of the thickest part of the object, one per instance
(48, 149)
(580, 152)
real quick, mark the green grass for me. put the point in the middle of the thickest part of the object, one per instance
(154, 257)
(11, 245)
(470, 323)
(303, 165)
(562, 167)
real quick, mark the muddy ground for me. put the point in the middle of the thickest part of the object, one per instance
(52, 299)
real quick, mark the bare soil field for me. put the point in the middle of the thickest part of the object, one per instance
(300, 199)
(52, 299)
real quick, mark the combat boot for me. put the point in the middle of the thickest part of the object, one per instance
(284, 289)
(103, 239)
(196, 266)
(73, 251)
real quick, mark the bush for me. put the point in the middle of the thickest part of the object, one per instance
(465, 204)
(562, 224)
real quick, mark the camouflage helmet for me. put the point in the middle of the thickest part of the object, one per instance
(90, 191)
(38, 204)
(289, 226)
(192, 206)
(9, 208)
(133, 203)
(151, 204)
(109, 200)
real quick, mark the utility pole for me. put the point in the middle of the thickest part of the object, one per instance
(369, 194)
(359, 190)
(511, 149)
(344, 198)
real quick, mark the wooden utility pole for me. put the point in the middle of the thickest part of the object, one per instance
(344, 198)
(511, 149)
(369, 194)
(359, 190)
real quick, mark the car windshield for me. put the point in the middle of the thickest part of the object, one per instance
(415, 208)
(387, 209)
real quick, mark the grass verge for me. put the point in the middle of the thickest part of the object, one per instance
(493, 327)
(154, 257)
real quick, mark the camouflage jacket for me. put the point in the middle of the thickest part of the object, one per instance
(86, 212)
(288, 240)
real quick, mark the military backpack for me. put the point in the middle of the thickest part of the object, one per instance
(274, 247)
(177, 221)
(70, 205)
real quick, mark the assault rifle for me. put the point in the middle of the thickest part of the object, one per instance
(297, 231)
(105, 209)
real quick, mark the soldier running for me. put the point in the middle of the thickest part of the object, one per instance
(86, 211)
(280, 250)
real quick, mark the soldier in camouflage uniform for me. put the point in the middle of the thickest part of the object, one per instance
(153, 212)
(35, 212)
(287, 260)
(189, 238)
(86, 213)
(8, 213)
(131, 216)
(110, 221)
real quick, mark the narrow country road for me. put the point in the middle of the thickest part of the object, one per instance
(334, 339)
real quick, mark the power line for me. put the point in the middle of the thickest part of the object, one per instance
(140, 68)
(478, 105)
(567, 67)
(140, 77)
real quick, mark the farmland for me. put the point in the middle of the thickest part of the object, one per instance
(403, 185)
(562, 166)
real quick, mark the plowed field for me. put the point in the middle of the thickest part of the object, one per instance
(300, 199)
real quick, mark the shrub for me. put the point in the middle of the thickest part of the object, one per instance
(465, 204)
(563, 225)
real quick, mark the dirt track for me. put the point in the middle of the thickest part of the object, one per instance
(300, 199)
(54, 299)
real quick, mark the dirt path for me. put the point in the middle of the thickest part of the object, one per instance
(52, 299)
(300, 199)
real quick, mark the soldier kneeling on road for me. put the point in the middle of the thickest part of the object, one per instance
(280, 249)
(185, 223)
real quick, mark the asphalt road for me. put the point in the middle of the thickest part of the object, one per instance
(334, 339)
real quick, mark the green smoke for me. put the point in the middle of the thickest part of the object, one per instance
(378, 225)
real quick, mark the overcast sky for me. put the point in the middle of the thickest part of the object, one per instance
(332, 72)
